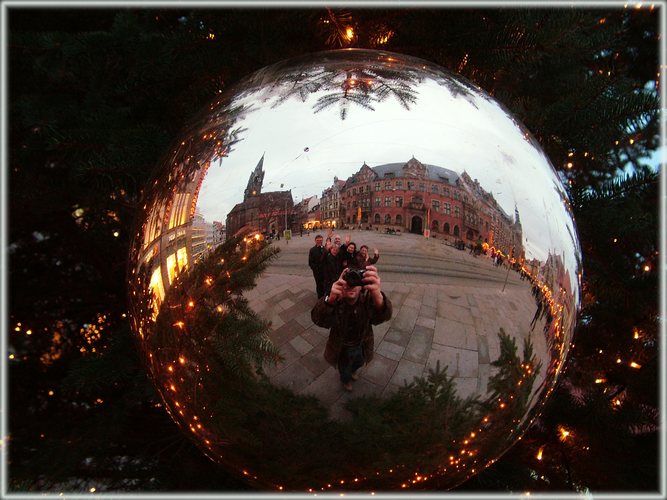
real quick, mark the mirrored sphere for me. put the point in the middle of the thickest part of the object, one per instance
(463, 318)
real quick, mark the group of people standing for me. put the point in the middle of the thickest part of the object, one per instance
(348, 308)
(327, 259)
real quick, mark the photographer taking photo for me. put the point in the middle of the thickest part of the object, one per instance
(353, 305)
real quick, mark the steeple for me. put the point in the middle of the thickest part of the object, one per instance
(517, 220)
(254, 187)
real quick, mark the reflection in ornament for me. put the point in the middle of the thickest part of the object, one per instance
(478, 253)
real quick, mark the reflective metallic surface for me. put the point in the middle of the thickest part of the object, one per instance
(478, 255)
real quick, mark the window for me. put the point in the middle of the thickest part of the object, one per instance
(446, 228)
(435, 204)
(411, 186)
(377, 201)
(179, 210)
(387, 184)
(355, 204)
(434, 188)
(457, 212)
(399, 219)
(387, 201)
(465, 198)
(422, 186)
(376, 219)
(377, 186)
(399, 184)
(456, 231)
(387, 219)
(367, 188)
(447, 208)
(446, 192)
(354, 191)
(399, 201)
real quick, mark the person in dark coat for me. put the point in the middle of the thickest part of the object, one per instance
(316, 263)
(348, 254)
(363, 260)
(349, 311)
(333, 266)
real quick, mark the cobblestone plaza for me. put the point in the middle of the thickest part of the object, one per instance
(448, 307)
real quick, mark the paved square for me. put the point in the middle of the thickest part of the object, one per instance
(448, 308)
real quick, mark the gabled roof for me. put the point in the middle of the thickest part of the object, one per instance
(433, 172)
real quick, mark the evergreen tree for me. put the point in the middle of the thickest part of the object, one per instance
(96, 96)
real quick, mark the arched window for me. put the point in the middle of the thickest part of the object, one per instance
(376, 219)
(456, 231)
(446, 228)
(470, 234)
(387, 219)
(399, 220)
(435, 225)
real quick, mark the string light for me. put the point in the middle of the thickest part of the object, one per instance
(564, 433)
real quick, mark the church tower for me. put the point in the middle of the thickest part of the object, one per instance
(254, 187)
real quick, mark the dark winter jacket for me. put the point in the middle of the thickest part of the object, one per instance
(335, 318)
(316, 259)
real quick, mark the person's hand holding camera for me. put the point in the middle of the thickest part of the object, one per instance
(371, 281)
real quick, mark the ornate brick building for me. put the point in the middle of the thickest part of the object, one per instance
(418, 198)
(263, 212)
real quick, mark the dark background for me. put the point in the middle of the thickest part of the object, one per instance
(96, 98)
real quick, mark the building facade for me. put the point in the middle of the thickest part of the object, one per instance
(426, 199)
(262, 212)
(330, 204)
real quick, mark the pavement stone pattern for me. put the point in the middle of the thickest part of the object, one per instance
(455, 325)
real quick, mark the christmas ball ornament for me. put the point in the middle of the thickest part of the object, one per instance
(471, 301)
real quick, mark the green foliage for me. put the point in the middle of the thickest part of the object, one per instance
(416, 425)
(97, 96)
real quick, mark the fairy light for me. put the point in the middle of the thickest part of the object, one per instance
(539, 453)
(635, 365)
(564, 433)
(349, 33)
